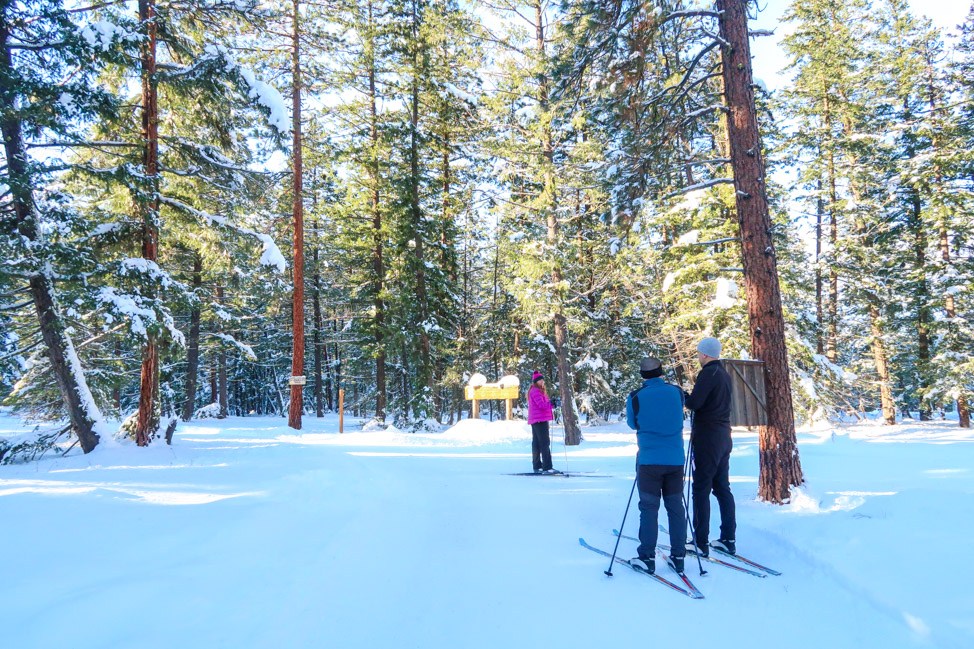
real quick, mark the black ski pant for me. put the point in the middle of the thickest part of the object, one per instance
(541, 446)
(711, 474)
(656, 482)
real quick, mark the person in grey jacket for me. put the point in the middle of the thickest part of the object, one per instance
(655, 412)
(710, 440)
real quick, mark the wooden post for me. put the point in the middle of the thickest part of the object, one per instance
(341, 410)
(509, 410)
(487, 393)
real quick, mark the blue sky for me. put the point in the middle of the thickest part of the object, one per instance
(769, 57)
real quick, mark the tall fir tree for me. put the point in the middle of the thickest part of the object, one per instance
(48, 65)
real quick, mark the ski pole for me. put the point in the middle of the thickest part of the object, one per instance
(693, 535)
(687, 476)
(686, 498)
(623, 526)
(689, 461)
(564, 444)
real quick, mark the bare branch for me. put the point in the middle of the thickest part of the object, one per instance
(22, 350)
(715, 161)
(15, 307)
(713, 242)
(703, 185)
(691, 14)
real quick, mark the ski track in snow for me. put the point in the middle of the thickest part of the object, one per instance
(247, 534)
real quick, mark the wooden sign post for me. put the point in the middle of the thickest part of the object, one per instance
(476, 394)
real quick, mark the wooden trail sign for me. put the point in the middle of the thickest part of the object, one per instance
(478, 393)
(748, 398)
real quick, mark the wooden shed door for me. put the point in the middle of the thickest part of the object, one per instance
(747, 383)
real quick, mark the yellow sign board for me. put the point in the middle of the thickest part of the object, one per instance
(490, 391)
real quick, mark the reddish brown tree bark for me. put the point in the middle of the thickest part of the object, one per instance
(297, 304)
(148, 416)
(780, 468)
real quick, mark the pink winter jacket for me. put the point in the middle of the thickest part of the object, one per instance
(539, 407)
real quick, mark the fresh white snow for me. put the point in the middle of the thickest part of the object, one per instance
(246, 534)
(725, 296)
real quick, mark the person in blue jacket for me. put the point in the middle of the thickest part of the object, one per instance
(655, 412)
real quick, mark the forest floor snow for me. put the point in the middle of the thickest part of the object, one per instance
(247, 534)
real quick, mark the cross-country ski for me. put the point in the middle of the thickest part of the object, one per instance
(689, 591)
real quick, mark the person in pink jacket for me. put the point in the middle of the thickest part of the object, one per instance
(539, 416)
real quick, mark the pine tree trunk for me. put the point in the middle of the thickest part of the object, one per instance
(828, 320)
(949, 307)
(336, 362)
(116, 384)
(329, 369)
(573, 436)
(214, 390)
(148, 416)
(319, 388)
(882, 364)
(495, 287)
(297, 305)
(780, 468)
(963, 407)
(378, 263)
(67, 371)
(832, 342)
(193, 343)
(922, 300)
(424, 373)
(819, 307)
(446, 245)
(963, 412)
(317, 343)
(221, 358)
(463, 322)
(873, 304)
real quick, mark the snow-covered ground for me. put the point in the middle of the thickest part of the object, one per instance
(245, 534)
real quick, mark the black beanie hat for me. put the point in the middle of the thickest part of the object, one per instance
(650, 368)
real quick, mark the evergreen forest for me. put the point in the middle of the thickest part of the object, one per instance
(214, 208)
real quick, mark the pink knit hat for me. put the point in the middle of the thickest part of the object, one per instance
(537, 376)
